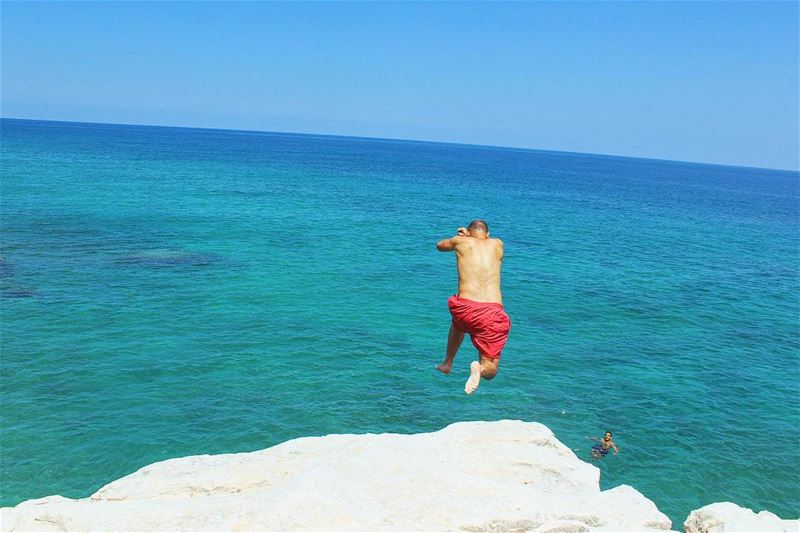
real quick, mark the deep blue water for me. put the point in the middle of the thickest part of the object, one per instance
(171, 291)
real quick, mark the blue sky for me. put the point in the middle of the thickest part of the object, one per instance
(695, 81)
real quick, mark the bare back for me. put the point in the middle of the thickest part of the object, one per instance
(479, 261)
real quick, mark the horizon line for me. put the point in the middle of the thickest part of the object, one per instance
(475, 145)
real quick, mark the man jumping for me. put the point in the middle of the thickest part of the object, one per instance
(477, 309)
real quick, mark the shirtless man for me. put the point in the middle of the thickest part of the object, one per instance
(601, 449)
(477, 309)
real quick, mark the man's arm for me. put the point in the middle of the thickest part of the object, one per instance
(448, 245)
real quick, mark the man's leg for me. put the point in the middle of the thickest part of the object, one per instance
(454, 340)
(486, 369)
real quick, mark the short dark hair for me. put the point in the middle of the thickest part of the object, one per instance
(479, 225)
(609, 433)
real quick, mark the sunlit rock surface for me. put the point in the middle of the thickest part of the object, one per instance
(728, 517)
(470, 476)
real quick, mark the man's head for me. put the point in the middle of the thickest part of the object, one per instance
(478, 228)
(607, 435)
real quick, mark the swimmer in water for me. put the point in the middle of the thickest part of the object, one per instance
(603, 445)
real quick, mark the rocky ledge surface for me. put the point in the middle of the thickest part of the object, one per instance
(470, 476)
(728, 517)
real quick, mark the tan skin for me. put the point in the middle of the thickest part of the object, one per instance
(478, 259)
(607, 443)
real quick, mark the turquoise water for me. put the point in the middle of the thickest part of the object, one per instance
(169, 292)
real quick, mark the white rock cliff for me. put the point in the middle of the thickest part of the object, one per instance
(728, 517)
(470, 476)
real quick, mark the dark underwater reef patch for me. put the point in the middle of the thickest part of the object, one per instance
(6, 268)
(17, 292)
(8, 288)
(170, 258)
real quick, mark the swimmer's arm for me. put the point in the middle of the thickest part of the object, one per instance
(614, 445)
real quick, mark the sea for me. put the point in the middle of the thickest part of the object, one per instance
(175, 291)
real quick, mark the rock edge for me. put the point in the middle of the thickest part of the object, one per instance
(470, 476)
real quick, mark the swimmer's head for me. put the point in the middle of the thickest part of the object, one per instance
(607, 435)
(478, 226)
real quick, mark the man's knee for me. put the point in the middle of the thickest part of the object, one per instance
(488, 370)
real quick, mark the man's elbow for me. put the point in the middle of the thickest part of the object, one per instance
(443, 246)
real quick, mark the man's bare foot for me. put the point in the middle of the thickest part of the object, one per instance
(474, 378)
(444, 369)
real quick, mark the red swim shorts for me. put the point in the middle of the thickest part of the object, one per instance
(486, 322)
